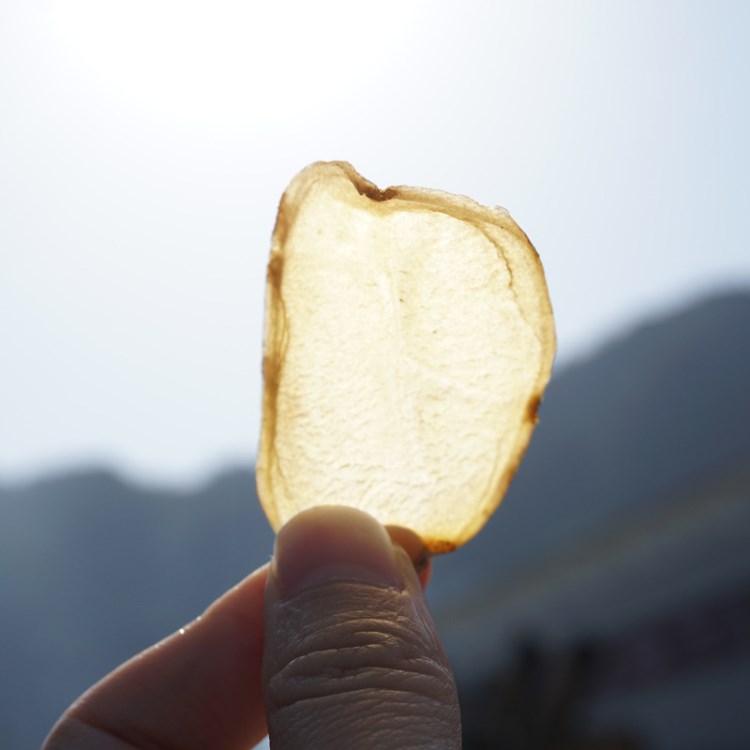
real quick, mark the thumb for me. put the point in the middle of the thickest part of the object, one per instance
(352, 658)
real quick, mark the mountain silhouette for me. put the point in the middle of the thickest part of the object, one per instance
(633, 446)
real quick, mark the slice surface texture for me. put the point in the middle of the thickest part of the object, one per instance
(408, 340)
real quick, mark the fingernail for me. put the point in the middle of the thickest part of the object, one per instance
(331, 543)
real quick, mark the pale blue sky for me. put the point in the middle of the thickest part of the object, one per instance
(144, 146)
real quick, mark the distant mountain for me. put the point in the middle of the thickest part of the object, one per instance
(94, 568)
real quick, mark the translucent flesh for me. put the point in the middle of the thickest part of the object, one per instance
(409, 337)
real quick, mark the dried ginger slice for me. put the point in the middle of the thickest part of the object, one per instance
(408, 339)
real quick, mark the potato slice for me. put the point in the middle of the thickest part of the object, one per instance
(408, 339)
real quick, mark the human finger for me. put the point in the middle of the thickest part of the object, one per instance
(352, 658)
(199, 688)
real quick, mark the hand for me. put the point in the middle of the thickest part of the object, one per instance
(331, 644)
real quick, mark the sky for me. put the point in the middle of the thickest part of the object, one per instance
(144, 146)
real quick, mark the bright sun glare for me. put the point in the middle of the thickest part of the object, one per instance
(230, 61)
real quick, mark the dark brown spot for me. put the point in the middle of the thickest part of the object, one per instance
(270, 372)
(440, 546)
(275, 268)
(532, 409)
(373, 192)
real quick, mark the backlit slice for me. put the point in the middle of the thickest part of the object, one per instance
(408, 339)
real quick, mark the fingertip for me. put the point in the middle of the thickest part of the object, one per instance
(331, 542)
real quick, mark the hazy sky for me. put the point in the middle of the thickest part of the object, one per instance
(144, 146)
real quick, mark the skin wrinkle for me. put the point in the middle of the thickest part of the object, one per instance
(391, 652)
(391, 659)
(380, 719)
(286, 687)
(378, 694)
(138, 738)
(360, 632)
(70, 736)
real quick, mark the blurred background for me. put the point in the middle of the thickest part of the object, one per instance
(143, 150)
